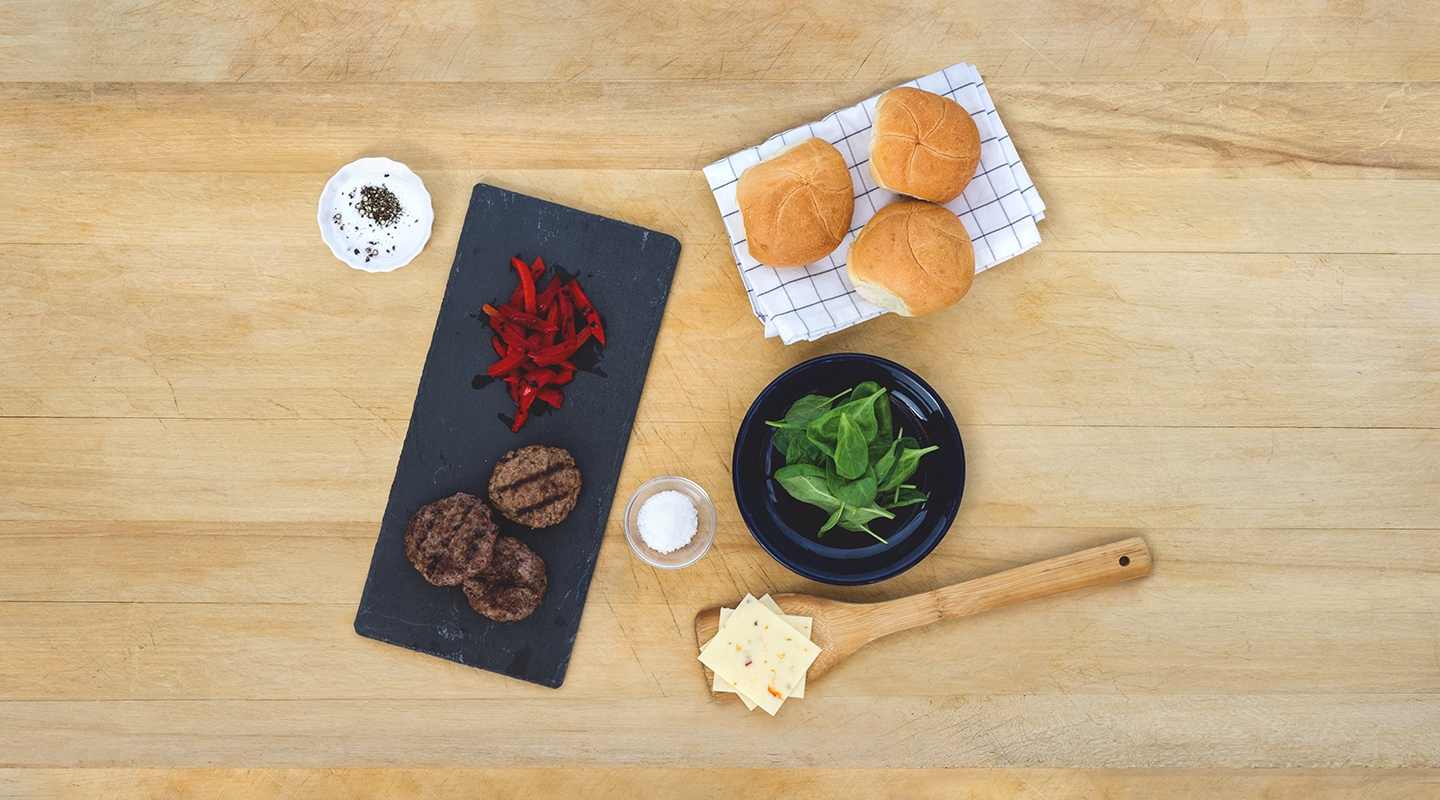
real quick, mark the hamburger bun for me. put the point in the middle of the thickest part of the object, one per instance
(923, 145)
(796, 205)
(912, 257)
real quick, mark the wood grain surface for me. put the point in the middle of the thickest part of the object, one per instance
(1228, 344)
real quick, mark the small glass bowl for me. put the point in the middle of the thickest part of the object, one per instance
(704, 532)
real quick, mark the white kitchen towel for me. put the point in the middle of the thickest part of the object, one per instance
(999, 208)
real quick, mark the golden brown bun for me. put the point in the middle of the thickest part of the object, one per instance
(796, 205)
(912, 257)
(923, 145)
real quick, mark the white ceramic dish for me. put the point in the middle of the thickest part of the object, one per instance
(361, 242)
(704, 534)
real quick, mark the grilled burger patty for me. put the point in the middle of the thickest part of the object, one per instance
(452, 539)
(536, 485)
(511, 587)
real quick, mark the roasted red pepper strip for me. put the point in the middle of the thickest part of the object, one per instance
(517, 297)
(514, 337)
(546, 300)
(553, 319)
(507, 363)
(527, 284)
(567, 317)
(541, 377)
(551, 396)
(538, 268)
(490, 311)
(565, 376)
(554, 354)
(498, 345)
(532, 322)
(522, 405)
(585, 307)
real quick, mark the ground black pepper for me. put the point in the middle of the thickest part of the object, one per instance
(379, 205)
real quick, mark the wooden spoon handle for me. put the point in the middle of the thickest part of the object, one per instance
(1111, 563)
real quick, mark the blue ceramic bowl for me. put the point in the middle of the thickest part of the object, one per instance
(786, 527)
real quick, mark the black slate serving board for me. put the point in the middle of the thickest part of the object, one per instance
(457, 433)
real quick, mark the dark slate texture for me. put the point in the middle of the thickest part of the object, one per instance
(456, 432)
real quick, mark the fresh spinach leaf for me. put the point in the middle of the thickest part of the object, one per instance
(885, 464)
(803, 451)
(865, 389)
(884, 424)
(801, 413)
(857, 493)
(864, 514)
(807, 483)
(905, 463)
(826, 446)
(905, 496)
(884, 435)
(852, 455)
(861, 411)
(830, 523)
(824, 430)
(807, 408)
(832, 478)
(859, 519)
(782, 440)
(798, 417)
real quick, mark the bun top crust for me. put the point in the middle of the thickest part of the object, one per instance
(912, 257)
(923, 145)
(796, 205)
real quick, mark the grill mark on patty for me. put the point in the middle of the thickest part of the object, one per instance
(548, 500)
(528, 479)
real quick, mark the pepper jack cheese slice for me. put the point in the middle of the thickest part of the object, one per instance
(719, 684)
(802, 624)
(759, 654)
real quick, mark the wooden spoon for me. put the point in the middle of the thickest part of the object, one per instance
(842, 628)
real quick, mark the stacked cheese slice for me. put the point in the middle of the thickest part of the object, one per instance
(760, 653)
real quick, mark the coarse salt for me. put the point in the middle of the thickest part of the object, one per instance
(668, 521)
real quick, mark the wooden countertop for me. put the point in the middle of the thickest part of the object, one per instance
(1228, 343)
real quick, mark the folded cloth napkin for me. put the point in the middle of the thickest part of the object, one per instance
(999, 208)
